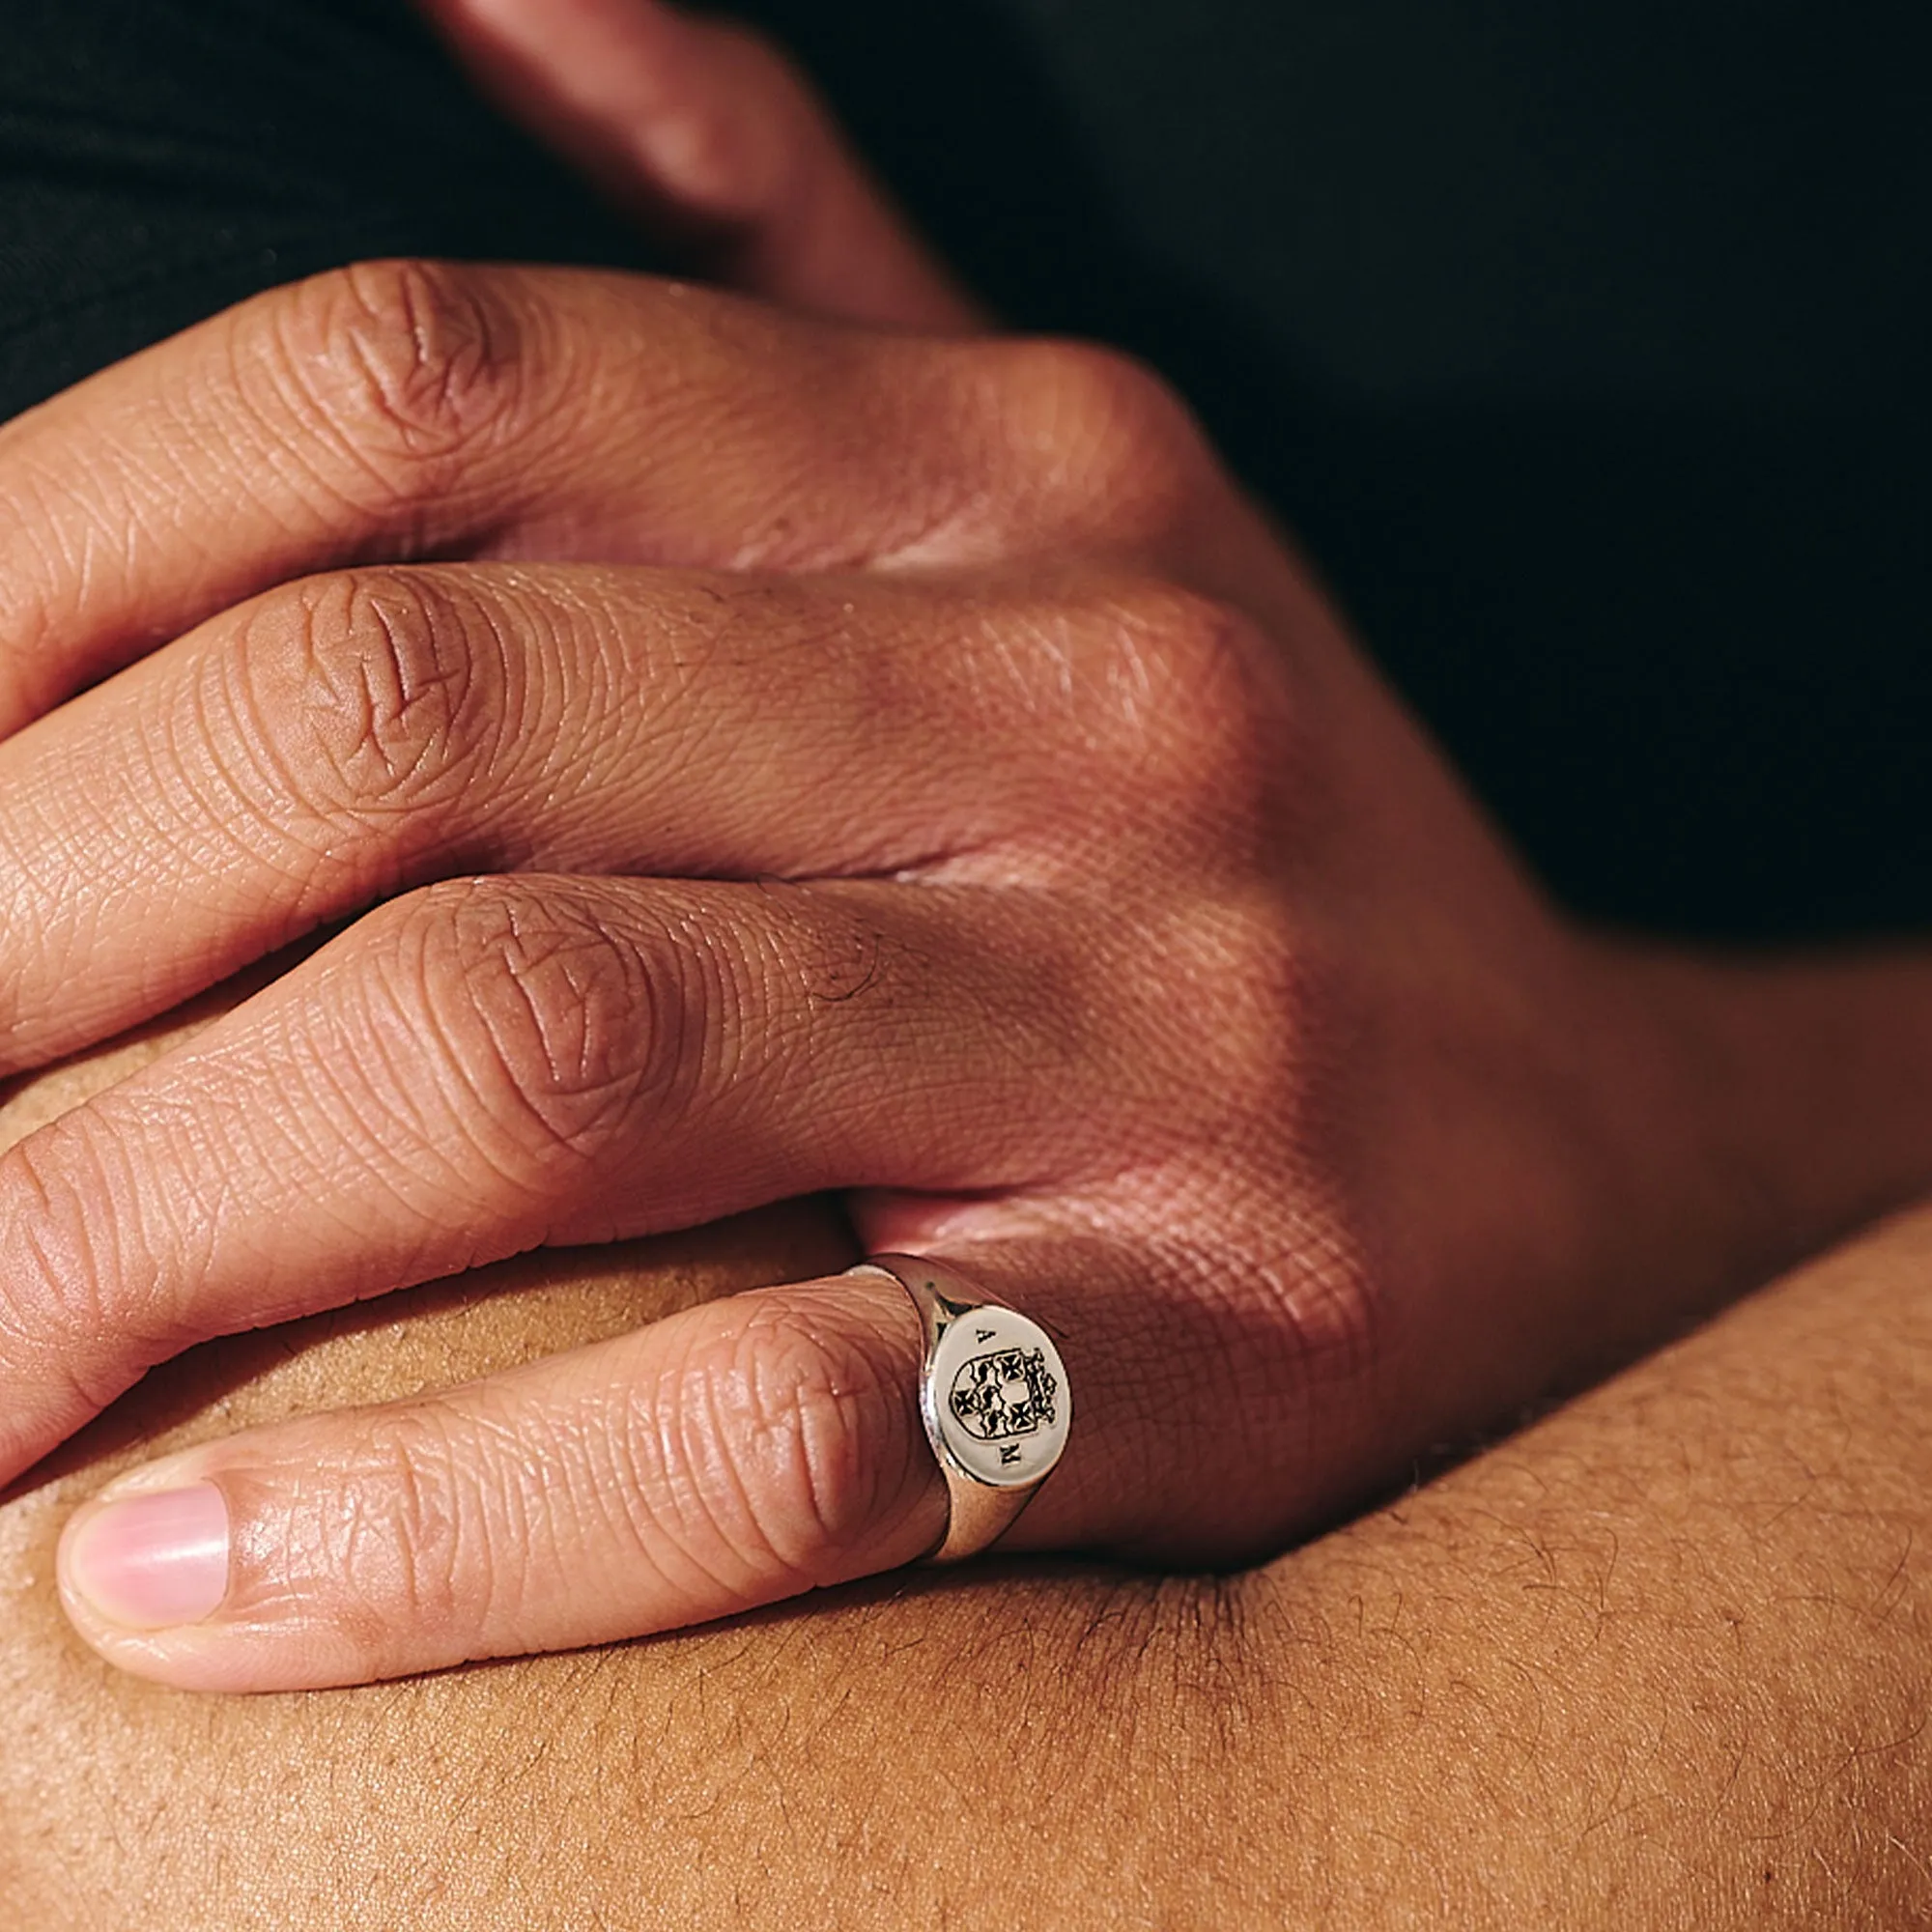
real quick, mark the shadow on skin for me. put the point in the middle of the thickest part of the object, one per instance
(1661, 1659)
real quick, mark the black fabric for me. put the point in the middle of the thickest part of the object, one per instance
(161, 158)
(1582, 343)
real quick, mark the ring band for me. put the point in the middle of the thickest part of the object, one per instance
(993, 1395)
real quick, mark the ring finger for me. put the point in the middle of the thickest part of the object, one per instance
(335, 742)
(494, 1065)
(741, 1452)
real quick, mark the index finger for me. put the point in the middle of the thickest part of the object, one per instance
(401, 410)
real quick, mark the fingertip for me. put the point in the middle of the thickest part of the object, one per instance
(147, 1561)
(142, 1572)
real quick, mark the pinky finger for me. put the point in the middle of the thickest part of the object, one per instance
(738, 1452)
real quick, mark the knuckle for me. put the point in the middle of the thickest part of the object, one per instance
(1268, 1038)
(560, 1034)
(52, 1289)
(80, 1302)
(407, 365)
(396, 1530)
(375, 692)
(1189, 718)
(1109, 449)
(796, 1430)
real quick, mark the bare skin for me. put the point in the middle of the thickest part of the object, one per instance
(1659, 1660)
(826, 754)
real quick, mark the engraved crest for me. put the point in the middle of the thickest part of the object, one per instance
(1009, 1392)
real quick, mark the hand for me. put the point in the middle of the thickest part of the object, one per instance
(942, 787)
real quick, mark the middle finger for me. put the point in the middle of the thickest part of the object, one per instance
(294, 762)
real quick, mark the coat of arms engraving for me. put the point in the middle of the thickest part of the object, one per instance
(1009, 1392)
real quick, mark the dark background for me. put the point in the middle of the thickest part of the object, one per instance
(1583, 343)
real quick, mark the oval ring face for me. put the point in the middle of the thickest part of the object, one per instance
(996, 1399)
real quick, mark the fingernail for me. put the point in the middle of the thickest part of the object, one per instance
(146, 1562)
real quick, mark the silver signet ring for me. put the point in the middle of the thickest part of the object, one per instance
(994, 1398)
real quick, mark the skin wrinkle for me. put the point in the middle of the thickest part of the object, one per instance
(562, 669)
(68, 1266)
(434, 1001)
(398, 669)
(417, 369)
(593, 1487)
(496, 1481)
(337, 1087)
(767, 1408)
(554, 978)
(319, 470)
(217, 712)
(849, 1432)
(395, 1540)
(333, 1087)
(708, 1509)
(379, 1058)
(1409, 1137)
(518, 1504)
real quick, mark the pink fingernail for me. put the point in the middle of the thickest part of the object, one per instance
(150, 1561)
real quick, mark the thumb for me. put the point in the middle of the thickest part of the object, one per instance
(712, 139)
